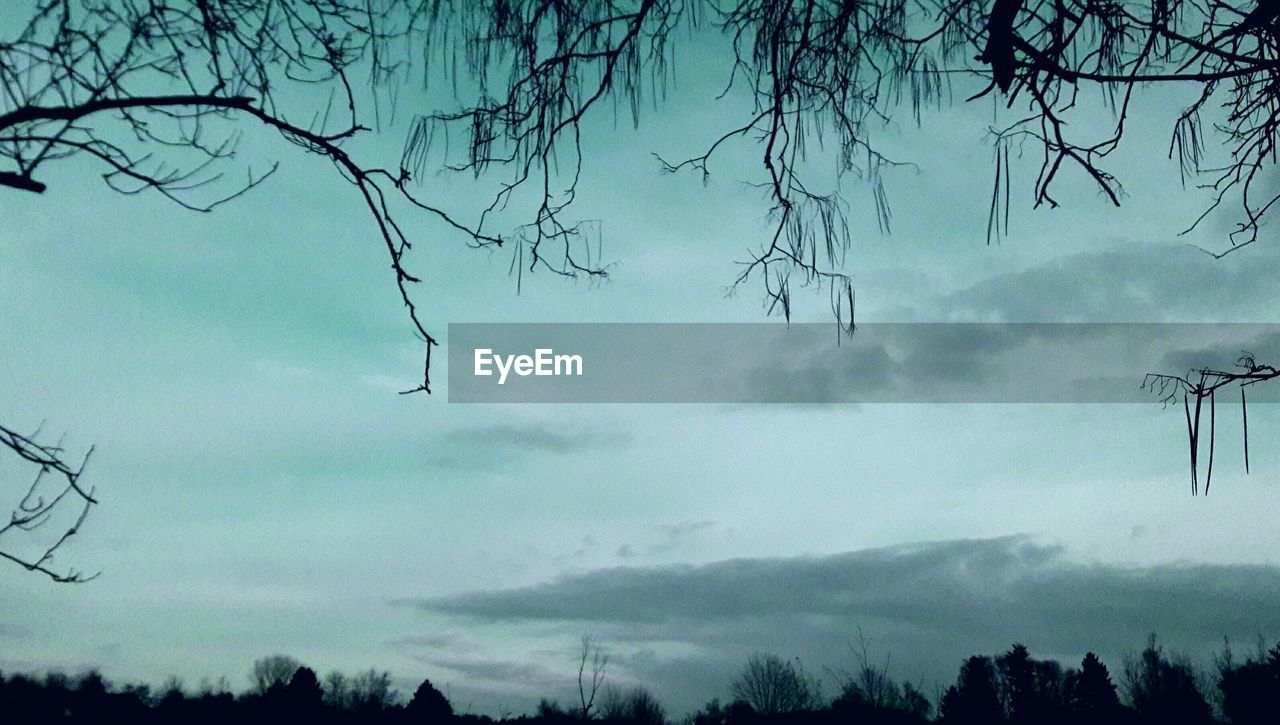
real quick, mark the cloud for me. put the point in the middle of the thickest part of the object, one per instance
(678, 534)
(997, 362)
(676, 531)
(962, 362)
(1138, 283)
(492, 680)
(674, 537)
(685, 629)
(585, 548)
(542, 438)
(15, 632)
(501, 675)
(489, 445)
(452, 641)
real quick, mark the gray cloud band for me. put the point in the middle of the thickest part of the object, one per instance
(815, 363)
(928, 605)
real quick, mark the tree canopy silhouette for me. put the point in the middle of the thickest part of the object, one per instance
(1251, 689)
(1009, 688)
(1163, 688)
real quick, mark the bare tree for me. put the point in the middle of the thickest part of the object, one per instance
(159, 94)
(54, 499)
(592, 662)
(830, 68)
(613, 704)
(869, 684)
(772, 685)
(273, 671)
(371, 691)
(636, 705)
(337, 691)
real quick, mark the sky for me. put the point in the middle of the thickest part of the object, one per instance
(264, 489)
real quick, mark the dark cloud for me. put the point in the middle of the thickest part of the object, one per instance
(950, 585)
(930, 605)
(1139, 283)
(1000, 362)
(1263, 343)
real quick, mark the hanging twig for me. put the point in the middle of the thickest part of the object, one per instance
(1213, 424)
(1244, 414)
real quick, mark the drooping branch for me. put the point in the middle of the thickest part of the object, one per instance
(1201, 385)
(80, 79)
(1053, 49)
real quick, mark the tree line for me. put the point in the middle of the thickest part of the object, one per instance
(1013, 687)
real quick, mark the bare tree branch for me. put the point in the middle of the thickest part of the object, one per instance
(1201, 385)
(591, 669)
(55, 489)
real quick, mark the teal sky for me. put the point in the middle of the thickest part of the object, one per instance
(264, 489)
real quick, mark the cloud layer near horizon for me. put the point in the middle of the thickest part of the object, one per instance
(685, 629)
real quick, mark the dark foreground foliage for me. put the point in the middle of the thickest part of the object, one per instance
(1010, 688)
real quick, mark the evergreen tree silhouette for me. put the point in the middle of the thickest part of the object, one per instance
(303, 694)
(1017, 675)
(428, 705)
(1092, 695)
(974, 699)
